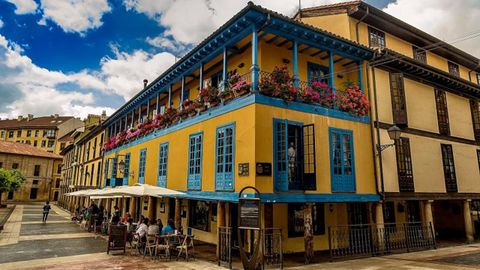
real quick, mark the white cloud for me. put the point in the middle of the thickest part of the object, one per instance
(24, 6)
(190, 21)
(168, 44)
(75, 16)
(448, 20)
(27, 88)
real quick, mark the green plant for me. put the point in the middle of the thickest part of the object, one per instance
(10, 181)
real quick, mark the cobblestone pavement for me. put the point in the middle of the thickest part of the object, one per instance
(26, 243)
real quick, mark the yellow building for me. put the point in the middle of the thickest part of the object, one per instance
(430, 90)
(83, 160)
(299, 155)
(39, 167)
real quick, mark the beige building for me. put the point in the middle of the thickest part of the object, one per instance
(430, 90)
(82, 159)
(40, 132)
(38, 166)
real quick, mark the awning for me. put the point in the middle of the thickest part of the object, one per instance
(141, 190)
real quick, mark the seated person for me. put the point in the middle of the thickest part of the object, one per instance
(142, 229)
(153, 228)
(169, 229)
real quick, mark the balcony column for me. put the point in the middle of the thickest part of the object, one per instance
(200, 75)
(139, 114)
(170, 96)
(254, 68)
(158, 104)
(225, 68)
(295, 63)
(126, 122)
(331, 71)
(133, 118)
(427, 210)
(467, 215)
(148, 108)
(360, 75)
(182, 91)
(379, 222)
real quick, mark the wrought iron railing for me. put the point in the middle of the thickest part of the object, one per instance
(272, 247)
(379, 239)
(225, 246)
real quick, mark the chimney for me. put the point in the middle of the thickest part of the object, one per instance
(104, 115)
(30, 117)
(55, 116)
(145, 82)
(20, 118)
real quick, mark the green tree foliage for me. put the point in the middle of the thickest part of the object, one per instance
(10, 180)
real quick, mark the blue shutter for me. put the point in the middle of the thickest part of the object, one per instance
(224, 158)
(162, 165)
(195, 162)
(105, 173)
(141, 166)
(280, 154)
(113, 175)
(342, 160)
(126, 170)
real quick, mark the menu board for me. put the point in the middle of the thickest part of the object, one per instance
(117, 238)
(249, 213)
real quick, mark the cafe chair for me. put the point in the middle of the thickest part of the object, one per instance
(186, 247)
(163, 246)
(150, 245)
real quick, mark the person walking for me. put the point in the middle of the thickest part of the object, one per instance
(46, 210)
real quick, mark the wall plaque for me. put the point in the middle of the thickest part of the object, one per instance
(243, 169)
(263, 169)
(249, 213)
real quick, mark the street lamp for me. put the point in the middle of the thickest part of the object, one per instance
(394, 133)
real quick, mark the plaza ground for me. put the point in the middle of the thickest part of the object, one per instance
(26, 243)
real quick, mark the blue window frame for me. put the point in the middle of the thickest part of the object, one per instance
(342, 161)
(317, 73)
(126, 170)
(288, 157)
(194, 181)
(224, 158)
(105, 173)
(113, 175)
(162, 165)
(141, 166)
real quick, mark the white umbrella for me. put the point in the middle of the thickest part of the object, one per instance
(83, 193)
(140, 190)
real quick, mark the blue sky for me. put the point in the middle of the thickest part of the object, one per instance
(84, 56)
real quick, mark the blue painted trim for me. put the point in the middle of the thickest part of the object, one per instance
(142, 164)
(162, 179)
(181, 93)
(360, 76)
(105, 172)
(200, 80)
(295, 62)
(239, 103)
(254, 68)
(342, 183)
(308, 108)
(225, 67)
(331, 71)
(126, 171)
(280, 197)
(194, 181)
(224, 175)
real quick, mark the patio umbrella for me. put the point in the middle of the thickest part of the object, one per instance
(141, 190)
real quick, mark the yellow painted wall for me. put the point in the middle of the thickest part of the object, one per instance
(382, 81)
(338, 23)
(362, 147)
(466, 168)
(421, 107)
(460, 116)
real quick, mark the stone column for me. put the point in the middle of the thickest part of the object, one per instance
(178, 218)
(308, 234)
(380, 224)
(151, 207)
(467, 215)
(133, 210)
(220, 223)
(427, 206)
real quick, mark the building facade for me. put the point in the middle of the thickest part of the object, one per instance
(312, 162)
(39, 167)
(83, 160)
(430, 90)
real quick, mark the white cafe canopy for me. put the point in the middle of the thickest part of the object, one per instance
(84, 192)
(140, 190)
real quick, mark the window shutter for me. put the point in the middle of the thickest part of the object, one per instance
(126, 170)
(474, 108)
(309, 170)
(399, 106)
(280, 149)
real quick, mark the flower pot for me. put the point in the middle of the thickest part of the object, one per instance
(242, 91)
(213, 104)
(192, 113)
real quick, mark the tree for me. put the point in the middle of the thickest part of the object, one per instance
(10, 181)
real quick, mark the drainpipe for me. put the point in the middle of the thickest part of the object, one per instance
(359, 21)
(372, 139)
(380, 161)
